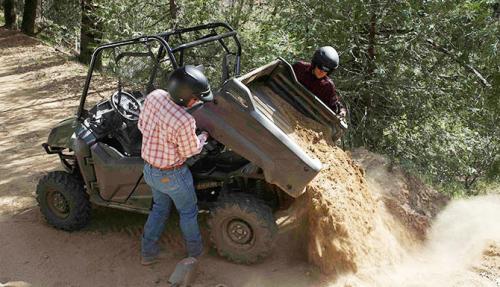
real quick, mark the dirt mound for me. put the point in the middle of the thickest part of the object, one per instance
(406, 197)
(348, 224)
(353, 222)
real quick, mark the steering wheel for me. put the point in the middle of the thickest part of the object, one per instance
(126, 105)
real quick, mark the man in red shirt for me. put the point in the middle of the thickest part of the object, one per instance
(168, 139)
(314, 76)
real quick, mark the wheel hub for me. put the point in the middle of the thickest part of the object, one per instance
(58, 203)
(239, 231)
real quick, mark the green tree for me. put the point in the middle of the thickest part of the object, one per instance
(90, 30)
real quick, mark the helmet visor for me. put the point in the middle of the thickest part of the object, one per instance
(327, 69)
(324, 68)
(206, 96)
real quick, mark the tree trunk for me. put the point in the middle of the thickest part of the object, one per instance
(90, 32)
(173, 9)
(9, 10)
(29, 16)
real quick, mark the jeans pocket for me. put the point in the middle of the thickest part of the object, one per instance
(167, 182)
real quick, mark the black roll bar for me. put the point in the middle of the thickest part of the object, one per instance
(163, 38)
(215, 37)
(97, 52)
(203, 41)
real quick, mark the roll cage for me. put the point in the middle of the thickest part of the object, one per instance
(175, 54)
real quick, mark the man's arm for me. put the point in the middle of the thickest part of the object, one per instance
(147, 113)
(140, 123)
(298, 69)
(335, 104)
(142, 115)
(188, 143)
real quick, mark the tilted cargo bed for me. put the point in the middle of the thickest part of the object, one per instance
(245, 120)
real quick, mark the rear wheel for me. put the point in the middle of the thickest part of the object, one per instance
(242, 228)
(63, 201)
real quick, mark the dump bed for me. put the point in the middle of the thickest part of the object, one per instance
(244, 118)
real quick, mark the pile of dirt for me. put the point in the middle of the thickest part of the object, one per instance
(405, 196)
(351, 222)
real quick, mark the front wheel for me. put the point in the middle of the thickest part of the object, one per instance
(63, 201)
(242, 228)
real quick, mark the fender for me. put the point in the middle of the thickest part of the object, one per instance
(62, 135)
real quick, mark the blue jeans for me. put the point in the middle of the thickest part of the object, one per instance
(171, 186)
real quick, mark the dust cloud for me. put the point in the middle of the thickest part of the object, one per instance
(454, 248)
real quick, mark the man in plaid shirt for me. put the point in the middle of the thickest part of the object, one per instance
(168, 139)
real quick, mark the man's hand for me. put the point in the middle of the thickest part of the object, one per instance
(343, 113)
(203, 136)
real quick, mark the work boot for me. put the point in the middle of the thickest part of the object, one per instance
(146, 261)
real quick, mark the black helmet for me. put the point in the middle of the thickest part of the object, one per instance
(188, 82)
(326, 58)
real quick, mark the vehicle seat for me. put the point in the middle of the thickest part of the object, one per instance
(130, 139)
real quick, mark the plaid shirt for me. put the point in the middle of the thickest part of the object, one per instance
(168, 132)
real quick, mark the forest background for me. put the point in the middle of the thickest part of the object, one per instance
(420, 78)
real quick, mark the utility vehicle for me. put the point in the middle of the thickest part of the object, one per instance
(248, 169)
